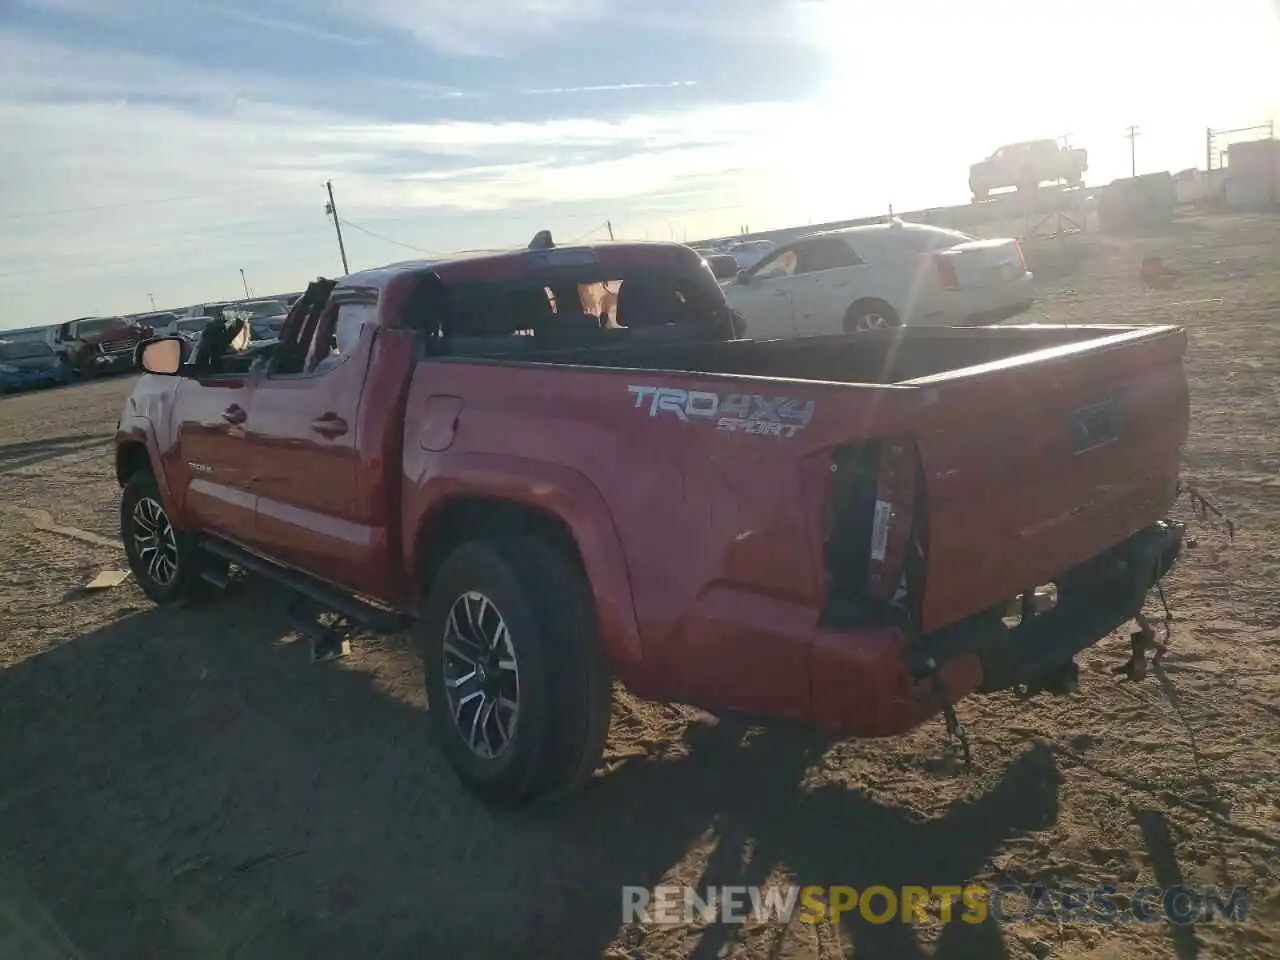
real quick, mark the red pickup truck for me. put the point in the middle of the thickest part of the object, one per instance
(93, 346)
(830, 529)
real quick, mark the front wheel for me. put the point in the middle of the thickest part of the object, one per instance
(518, 688)
(166, 562)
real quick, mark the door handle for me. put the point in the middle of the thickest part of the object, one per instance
(329, 425)
(235, 415)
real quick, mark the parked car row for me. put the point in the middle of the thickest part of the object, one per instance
(29, 364)
(89, 347)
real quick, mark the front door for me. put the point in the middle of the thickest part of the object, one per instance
(214, 482)
(305, 453)
(763, 296)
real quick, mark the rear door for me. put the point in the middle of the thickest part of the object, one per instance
(305, 454)
(829, 277)
(1038, 463)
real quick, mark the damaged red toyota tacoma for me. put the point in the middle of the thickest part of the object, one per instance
(561, 466)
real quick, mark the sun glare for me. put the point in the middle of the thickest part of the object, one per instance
(919, 89)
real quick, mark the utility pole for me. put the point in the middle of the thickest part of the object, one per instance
(609, 224)
(152, 298)
(1132, 137)
(332, 209)
(245, 282)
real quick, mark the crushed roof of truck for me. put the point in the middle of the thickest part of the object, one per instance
(495, 265)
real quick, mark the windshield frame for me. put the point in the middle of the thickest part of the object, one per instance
(247, 309)
(99, 325)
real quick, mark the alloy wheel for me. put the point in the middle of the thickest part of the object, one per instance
(872, 321)
(481, 677)
(154, 539)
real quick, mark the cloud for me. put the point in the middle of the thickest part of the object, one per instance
(607, 87)
(470, 27)
(297, 28)
(119, 180)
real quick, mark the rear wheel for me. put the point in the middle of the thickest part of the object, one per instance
(166, 562)
(870, 315)
(518, 688)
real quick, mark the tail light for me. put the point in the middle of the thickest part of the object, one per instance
(871, 506)
(947, 271)
(1022, 260)
(893, 519)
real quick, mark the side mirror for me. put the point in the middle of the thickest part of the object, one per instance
(160, 355)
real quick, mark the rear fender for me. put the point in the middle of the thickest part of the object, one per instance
(433, 480)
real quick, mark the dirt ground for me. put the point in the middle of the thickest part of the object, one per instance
(189, 785)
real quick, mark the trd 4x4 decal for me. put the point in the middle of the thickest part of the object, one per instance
(733, 412)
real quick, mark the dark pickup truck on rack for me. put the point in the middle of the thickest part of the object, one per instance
(832, 530)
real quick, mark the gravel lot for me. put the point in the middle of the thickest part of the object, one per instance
(189, 785)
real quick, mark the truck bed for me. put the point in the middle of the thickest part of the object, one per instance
(875, 357)
(1038, 447)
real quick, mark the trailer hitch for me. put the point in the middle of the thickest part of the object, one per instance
(1141, 642)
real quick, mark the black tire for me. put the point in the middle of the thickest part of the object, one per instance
(185, 585)
(564, 687)
(870, 315)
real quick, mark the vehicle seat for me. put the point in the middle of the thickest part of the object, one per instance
(645, 304)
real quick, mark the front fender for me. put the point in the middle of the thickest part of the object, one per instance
(145, 420)
(139, 431)
(433, 480)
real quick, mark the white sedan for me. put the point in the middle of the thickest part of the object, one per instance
(881, 275)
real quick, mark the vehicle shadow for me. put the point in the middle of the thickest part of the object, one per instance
(188, 784)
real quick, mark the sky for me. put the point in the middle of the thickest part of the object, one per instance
(153, 149)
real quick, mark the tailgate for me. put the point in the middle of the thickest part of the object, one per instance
(1035, 464)
(982, 263)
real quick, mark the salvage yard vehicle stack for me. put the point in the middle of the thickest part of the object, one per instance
(551, 500)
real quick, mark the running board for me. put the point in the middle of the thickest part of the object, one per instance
(373, 618)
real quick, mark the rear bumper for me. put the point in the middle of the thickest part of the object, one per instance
(871, 683)
(1094, 599)
(978, 305)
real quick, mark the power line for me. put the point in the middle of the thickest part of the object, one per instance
(378, 236)
(596, 229)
